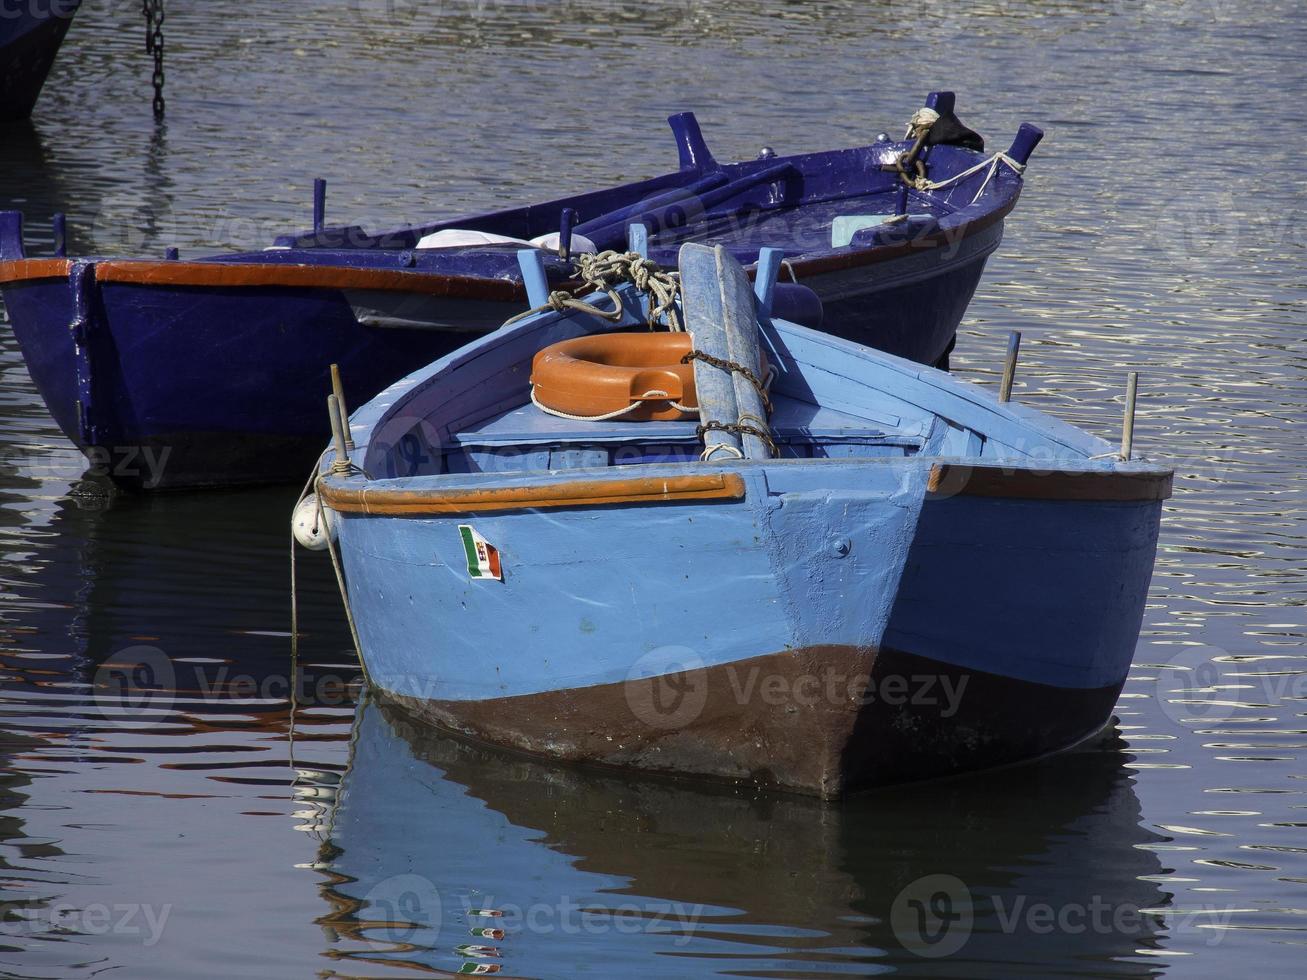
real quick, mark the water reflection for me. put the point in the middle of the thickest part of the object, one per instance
(669, 879)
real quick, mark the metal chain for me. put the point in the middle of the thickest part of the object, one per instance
(154, 14)
(739, 429)
(909, 166)
(725, 365)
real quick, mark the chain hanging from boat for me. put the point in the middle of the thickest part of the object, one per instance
(608, 270)
(154, 14)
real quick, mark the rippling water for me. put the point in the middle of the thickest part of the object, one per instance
(222, 824)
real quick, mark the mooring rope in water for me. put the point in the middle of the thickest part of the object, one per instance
(294, 588)
(313, 485)
(340, 582)
(295, 615)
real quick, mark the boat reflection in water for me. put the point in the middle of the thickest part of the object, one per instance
(1012, 872)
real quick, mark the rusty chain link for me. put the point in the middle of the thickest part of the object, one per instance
(154, 14)
(724, 365)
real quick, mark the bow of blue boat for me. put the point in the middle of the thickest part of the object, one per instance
(916, 580)
(893, 235)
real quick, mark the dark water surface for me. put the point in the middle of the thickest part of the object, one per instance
(209, 830)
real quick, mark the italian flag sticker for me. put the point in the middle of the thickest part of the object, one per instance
(482, 556)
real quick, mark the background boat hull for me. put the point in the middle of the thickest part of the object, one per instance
(910, 306)
(30, 36)
(226, 385)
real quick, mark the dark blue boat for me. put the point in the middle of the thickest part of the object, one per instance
(217, 366)
(30, 35)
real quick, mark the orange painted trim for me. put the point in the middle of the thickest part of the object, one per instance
(575, 493)
(953, 480)
(253, 274)
(26, 270)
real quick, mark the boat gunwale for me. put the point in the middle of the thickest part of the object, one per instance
(17, 271)
(565, 493)
(1052, 480)
(215, 271)
(676, 179)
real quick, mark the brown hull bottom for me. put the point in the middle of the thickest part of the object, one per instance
(821, 720)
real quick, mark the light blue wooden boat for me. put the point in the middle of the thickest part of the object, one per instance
(924, 581)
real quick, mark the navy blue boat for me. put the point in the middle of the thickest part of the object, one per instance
(30, 35)
(217, 366)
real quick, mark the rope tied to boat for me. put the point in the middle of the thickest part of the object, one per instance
(739, 428)
(605, 272)
(921, 122)
(654, 394)
(908, 164)
(722, 447)
(731, 366)
(922, 183)
(560, 301)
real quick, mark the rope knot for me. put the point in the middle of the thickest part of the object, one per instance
(558, 300)
(921, 122)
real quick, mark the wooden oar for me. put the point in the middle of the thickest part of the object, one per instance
(740, 318)
(701, 304)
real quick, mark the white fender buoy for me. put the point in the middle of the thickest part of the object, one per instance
(308, 526)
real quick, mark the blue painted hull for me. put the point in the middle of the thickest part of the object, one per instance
(244, 405)
(249, 410)
(221, 364)
(747, 611)
(923, 581)
(30, 36)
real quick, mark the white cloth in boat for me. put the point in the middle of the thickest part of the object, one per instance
(462, 237)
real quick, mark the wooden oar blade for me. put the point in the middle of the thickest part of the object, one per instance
(701, 304)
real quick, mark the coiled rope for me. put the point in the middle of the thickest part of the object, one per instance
(608, 270)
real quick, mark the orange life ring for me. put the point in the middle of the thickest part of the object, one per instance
(616, 375)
